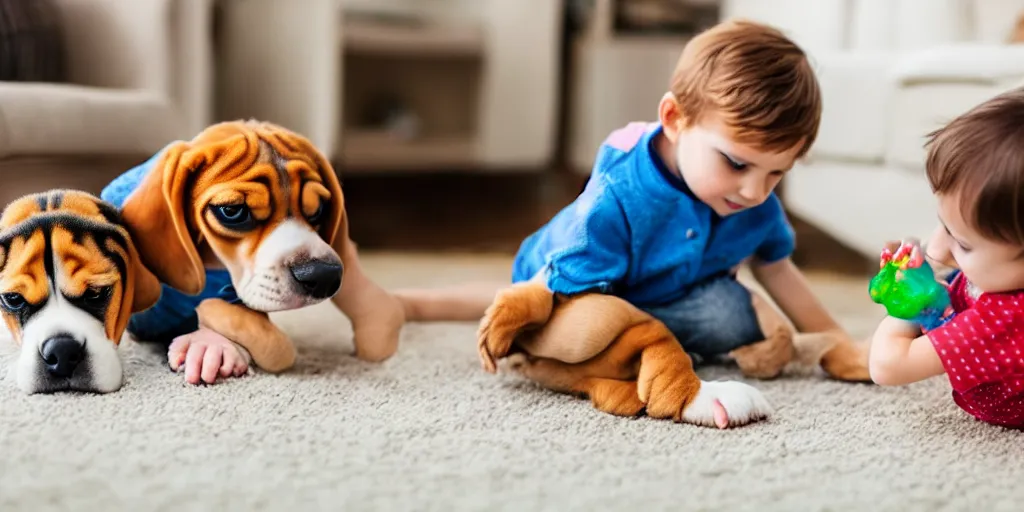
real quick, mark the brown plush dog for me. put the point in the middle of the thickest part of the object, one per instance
(69, 280)
(627, 362)
(245, 219)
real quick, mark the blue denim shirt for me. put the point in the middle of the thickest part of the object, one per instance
(174, 313)
(637, 231)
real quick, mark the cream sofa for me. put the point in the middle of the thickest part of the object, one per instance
(891, 72)
(139, 73)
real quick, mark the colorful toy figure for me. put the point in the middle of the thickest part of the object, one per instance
(906, 286)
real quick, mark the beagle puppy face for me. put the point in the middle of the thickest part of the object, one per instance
(250, 197)
(69, 280)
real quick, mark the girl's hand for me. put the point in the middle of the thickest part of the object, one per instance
(910, 247)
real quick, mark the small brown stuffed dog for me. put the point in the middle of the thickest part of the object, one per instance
(627, 362)
(246, 218)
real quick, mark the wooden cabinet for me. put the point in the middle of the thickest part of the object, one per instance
(400, 85)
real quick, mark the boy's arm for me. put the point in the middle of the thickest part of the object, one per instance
(593, 246)
(901, 355)
(789, 289)
(773, 268)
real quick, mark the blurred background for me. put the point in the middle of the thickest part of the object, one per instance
(462, 125)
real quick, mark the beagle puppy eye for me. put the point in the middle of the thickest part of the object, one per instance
(318, 216)
(237, 217)
(93, 300)
(13, 302)
(95, 295)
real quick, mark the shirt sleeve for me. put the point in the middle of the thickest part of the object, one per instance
(970, 345)
(781, 239)
(592, 251)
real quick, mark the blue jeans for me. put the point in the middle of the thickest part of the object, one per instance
(175, 313)
(716, 317)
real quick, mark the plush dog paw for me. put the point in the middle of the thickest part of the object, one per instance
(205, 355)
(768, 358)
(847, 361)
(495, 334)
(726, 404)
(513, 310)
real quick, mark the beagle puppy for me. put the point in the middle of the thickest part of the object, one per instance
(245, 219)
(69, 280)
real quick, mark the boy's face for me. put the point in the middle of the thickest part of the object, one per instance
(989, 265)
(724, 174)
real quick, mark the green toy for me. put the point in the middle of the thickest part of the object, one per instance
(906, 286)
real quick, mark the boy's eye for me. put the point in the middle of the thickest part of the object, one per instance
(734, 164)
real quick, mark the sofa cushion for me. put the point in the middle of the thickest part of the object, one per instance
(31, 42)
(919, 109)
(855, 96)
(935, 85)
(960, 62)
(65, 119)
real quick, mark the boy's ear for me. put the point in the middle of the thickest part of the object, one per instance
(671, 116)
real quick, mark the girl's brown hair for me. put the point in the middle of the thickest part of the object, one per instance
(979, 156)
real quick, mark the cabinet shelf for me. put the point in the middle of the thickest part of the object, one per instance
(372, 37)
(379, 150)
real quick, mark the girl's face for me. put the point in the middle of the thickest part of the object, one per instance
(989, 265)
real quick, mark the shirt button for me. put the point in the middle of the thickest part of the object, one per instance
(691, 234)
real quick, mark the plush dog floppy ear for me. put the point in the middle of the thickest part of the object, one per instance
(155, 216)
(334, 221)
(141, 288)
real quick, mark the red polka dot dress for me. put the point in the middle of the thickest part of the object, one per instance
(982, 349)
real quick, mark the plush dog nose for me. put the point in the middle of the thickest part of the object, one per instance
(62, 354)
(319, 279)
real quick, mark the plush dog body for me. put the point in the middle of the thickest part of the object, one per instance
(245, 219)
(602, 347)
(627, 362)
(70, 278)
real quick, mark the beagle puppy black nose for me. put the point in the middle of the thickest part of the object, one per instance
(62, 354)
(318, 278)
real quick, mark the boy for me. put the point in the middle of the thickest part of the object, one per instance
(673, 208)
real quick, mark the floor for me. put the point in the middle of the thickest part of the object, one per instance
(429, 430)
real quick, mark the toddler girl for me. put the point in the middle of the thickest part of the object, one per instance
(975, 166)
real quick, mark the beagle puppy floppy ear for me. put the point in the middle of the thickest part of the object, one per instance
(157, 220)
(329, 229)
(141, 289)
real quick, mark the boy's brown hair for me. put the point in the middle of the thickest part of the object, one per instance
(979, 156)
(756, 78)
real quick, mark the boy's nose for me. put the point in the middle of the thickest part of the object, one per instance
(753, 194)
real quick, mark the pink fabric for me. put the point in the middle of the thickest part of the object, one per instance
(981, 349)
(625, 138)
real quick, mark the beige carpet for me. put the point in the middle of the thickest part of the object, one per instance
(429, 430)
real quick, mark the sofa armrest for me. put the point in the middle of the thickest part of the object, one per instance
(117, 44)
(981, 63)
(158, 46)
